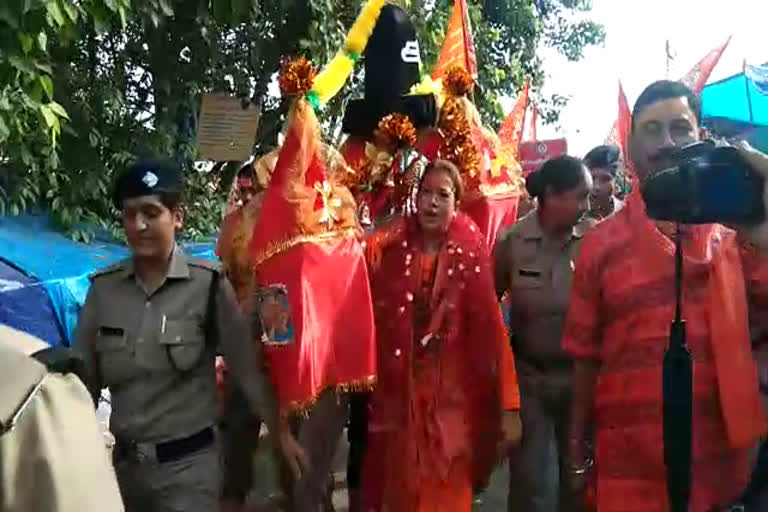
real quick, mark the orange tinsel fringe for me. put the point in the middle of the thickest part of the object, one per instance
(457, 81)
(302, 409)
(397, 131)
(296, 77)
(458, 146)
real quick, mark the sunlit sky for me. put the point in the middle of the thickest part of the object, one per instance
(634, 52)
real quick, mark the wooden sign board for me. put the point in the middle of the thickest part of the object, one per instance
(226, 130)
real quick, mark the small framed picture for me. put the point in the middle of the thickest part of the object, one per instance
(274, 310)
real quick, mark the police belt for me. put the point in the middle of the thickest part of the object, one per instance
(541, 364)
(167, 451)
(545, 365)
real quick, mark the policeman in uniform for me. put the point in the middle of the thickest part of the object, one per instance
(150, 330)
(52, 454)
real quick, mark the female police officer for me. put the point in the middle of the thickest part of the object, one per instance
(534, 262)
(149, 331)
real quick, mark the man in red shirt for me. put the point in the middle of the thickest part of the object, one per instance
(618, 325)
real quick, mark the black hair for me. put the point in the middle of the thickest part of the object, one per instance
(172, 200)
(561, 174)
(605, 157)
(665, 90)
(246, 171)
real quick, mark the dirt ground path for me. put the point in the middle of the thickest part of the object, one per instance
(266, 494)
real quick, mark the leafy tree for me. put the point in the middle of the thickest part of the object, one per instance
(85, 85)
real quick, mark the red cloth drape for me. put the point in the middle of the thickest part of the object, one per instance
(330, 301)
(493, 214)
(305, 243)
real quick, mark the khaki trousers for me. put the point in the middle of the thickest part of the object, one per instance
(189, 484)
(538, 466)
(319, 435)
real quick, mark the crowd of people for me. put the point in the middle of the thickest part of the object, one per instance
(370, 297)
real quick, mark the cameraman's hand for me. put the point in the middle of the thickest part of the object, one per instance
(757, 235)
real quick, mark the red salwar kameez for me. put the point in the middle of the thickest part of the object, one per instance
(445, 371)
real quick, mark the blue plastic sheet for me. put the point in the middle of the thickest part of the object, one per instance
(25, 306)
(62, 266)
(741, 98)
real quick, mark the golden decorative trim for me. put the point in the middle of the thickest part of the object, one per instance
(499, 189)
(277, 247)
(302, 408)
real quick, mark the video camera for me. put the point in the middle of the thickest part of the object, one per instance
(709, 184)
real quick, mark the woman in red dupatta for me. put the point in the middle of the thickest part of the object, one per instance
(446, 399)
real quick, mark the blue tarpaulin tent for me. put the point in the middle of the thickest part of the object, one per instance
(737, 107)
(741, 98)
(44, 275)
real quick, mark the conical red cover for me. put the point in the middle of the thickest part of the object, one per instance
(328, 340)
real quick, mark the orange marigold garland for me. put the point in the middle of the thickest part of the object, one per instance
(458, 146)
(398, 131)
(457, 81)
(296, 76)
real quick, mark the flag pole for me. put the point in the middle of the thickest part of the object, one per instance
(749, 95)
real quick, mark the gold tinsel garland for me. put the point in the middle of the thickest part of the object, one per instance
(397, 131)
(458, 146)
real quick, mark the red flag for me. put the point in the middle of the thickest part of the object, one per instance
(698, 76)
(621, 127)
(695, 79)
(458, 47)
(511, 130)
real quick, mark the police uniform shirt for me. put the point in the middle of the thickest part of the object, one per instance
(52, 453)
(538, 271)
(150, 350)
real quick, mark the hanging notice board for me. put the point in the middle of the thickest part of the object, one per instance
(226, 130)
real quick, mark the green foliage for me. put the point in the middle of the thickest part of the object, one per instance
(85, 85)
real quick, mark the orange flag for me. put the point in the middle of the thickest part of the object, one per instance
(619, 135)
(511, 130)
(458, 47)
(698, 76)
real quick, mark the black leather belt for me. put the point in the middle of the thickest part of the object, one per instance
(169, 450)
(546, 365)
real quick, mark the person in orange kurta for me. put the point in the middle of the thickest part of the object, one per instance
(618, 328)
(446, 402)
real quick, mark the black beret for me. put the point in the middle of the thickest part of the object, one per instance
(146, 177)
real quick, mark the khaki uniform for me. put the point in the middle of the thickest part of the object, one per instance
(537, 271)
(52, 453)
(155, 350)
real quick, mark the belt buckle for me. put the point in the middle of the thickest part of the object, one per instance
(145, 452)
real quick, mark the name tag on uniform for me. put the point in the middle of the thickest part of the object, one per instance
(111, 331)
(529, 273)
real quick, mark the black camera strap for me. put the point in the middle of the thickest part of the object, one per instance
(677, 389)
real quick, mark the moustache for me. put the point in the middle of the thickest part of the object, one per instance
(666, 154)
